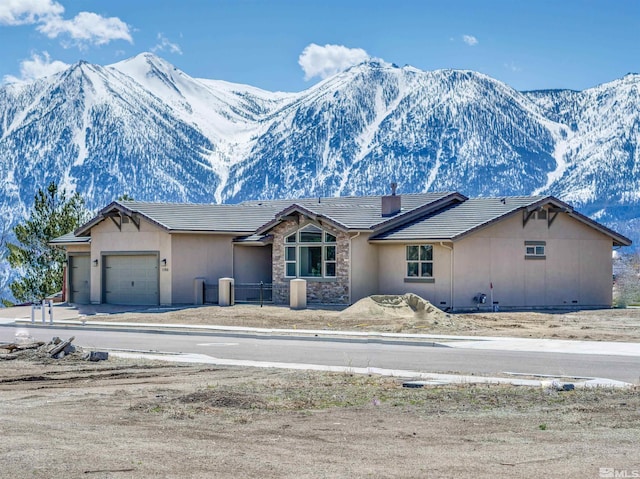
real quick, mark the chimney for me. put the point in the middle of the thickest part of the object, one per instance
(391, 204)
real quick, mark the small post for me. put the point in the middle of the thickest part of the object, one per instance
(225, 292)
(44, 313)
(298, 294)
(50, 312)
(261, 293)
(33, 313)
(491, 288)
(198, 290)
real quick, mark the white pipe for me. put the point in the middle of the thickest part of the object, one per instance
(450, 248)
(43, 311)
(351, 238)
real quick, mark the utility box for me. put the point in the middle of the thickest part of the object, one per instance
(225, 292)
(298, 294)
(198, 291)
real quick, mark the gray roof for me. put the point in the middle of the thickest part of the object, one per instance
(205, 218)
(357, 212)
(458, 220)
(70, 238)
(191, 217)
(353, 212)
(425, 216)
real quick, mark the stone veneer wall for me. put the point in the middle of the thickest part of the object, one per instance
(319, 290)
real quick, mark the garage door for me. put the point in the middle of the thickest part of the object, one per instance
(79, 277)
(131, 279)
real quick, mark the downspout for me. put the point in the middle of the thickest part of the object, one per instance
(351, 238)
(233, 253)
(450, 248)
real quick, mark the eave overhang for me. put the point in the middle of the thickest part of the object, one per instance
(116, 211)
(558, 206)
(254, 240)
(408, 216)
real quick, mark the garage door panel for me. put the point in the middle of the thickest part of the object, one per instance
(79, 279)
(131, 280)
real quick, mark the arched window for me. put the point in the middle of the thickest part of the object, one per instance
(310, 252)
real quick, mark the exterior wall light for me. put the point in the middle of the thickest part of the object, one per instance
(164, 261)
(95, 262)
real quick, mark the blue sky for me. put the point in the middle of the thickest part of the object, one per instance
(289, 45)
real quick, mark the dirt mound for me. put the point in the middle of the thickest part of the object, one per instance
(395, 306)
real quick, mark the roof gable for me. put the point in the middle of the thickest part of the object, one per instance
(238, 219)
(461, 219)
(361, 213)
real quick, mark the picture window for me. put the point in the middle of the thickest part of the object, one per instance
(310, 253)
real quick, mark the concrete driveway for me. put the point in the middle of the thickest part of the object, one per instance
(65, 311)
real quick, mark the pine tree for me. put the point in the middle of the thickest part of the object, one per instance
(41, 264)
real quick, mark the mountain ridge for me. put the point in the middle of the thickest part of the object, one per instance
(145, 128)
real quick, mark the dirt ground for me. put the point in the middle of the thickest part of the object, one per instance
(70, 418)
(390, 315)
(141, 419)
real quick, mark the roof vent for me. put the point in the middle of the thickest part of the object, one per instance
(391, 204)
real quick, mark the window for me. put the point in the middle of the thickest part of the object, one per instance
(310, 253)
(535, 249)
(290, 260)
(419, 261)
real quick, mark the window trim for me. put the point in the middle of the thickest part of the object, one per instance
(327, 240)
(419, 277)
(539, 250)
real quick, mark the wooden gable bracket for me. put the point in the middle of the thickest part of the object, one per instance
(135, 220)
(553, 213)
(118, 221)
(526, 216)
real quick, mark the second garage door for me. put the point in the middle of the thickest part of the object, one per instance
(131, 279)
(79, 279)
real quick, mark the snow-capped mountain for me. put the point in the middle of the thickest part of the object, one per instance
(145, 128)
(356, 132)
(599, 168)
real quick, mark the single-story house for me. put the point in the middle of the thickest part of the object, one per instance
(457, 252)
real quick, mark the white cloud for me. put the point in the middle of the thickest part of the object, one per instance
(87, 27)
(164, 44)
(324, 61)
(513, 67)
(37, 67)
(470, 40)
(84, 28)
(27, 12)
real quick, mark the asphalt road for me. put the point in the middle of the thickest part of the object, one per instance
(349, 353)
